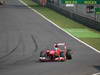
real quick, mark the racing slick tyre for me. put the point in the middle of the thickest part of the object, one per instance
(1, 3)
(68, 54)
(42, 54)
(69, 57)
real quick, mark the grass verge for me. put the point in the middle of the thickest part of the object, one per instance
(90, 36)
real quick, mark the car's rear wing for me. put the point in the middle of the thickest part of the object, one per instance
(62, 44)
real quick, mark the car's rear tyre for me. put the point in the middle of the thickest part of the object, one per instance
(69, 57)
(68, 54)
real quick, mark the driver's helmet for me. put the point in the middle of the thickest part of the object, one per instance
(56, 47)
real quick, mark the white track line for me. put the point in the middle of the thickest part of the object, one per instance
(60, 27)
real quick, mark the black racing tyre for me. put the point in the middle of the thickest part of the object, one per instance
(42, 54)
(68, 54)
(1, 3)
(69, 57)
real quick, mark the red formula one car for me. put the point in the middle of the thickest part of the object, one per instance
(58, 53)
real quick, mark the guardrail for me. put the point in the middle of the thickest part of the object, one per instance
(81, 19)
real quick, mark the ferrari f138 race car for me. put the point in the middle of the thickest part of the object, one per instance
(58, 53)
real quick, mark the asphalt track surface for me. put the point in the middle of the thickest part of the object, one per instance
(23, 34)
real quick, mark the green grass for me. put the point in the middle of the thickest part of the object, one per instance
(93, 42)
(83, 33)
(90, 36)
